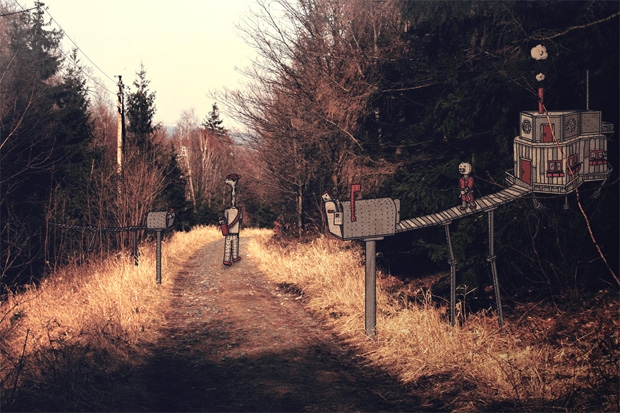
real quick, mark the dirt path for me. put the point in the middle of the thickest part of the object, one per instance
(236, 342)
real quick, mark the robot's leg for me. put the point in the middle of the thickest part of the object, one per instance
(228, 249)
(235, 248)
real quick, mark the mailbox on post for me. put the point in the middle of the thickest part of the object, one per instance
(159, 221)
(362, 219)
(368, 220)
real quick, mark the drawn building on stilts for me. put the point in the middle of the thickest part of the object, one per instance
(557, 151)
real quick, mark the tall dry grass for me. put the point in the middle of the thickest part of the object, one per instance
(71, 341)
(74, 341)
(474, 365)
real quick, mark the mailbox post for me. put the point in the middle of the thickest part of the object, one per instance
(159, 221)
(370, 289)
(369, 220)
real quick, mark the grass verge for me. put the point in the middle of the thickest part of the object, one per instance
(534, 363)
(72, 342)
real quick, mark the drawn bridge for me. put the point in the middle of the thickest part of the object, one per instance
(372, 220)
(485, 204)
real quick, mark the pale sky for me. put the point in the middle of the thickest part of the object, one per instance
(188, 47)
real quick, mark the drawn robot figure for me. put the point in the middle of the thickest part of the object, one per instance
(466, 186)
(230, 224)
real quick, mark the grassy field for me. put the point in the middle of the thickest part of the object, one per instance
(82, 330)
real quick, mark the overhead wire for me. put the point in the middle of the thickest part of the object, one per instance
(65, 34)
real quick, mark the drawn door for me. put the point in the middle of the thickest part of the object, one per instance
(525, 167)
(547, 134)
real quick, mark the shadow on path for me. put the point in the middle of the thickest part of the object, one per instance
(234, 343)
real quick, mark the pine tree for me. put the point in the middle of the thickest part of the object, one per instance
(213, 122)
(140, 112)
(29, 151)
(74, 134)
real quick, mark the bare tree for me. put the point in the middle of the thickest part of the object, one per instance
(313, 85)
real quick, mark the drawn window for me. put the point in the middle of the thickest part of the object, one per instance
(573, 164)
(598, 157)
(554, 169)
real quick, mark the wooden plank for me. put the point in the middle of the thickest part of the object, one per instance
(451, 212)
(444, 216)
(484, 201)
(425, 221)
(405, 225)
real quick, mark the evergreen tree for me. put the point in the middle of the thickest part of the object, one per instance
(140, 111)
(29, 151)
(149, 155)
(74, 135)
(459, 92)
(213, 122)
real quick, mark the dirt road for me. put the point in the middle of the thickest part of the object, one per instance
(235, 342)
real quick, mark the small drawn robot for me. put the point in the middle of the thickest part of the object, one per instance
(466, 186)
(230, 223)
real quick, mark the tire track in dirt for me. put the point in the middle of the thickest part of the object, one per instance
(234, 342)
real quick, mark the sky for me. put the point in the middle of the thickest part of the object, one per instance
(187, 47)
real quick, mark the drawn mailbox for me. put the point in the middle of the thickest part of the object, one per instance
(159, 220)
(362, 219)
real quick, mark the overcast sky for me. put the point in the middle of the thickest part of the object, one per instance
(188, 47)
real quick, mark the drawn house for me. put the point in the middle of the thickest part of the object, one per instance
(557, 151)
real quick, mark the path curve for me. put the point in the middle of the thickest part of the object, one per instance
(233, 341)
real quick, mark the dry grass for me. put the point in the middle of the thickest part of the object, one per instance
(83, 332)
(85, 327)
(468, 368)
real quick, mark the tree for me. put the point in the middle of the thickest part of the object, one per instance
(152, 177)
(213, 122)
(312, 88)
(457, 98)
(28, 149)
(140, 111)
(72, 184)
(396, 94)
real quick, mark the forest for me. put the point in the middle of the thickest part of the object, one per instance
(391, 95)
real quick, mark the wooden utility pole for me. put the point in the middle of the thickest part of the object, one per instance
(120, 149)
(120, 137)
(185, 133)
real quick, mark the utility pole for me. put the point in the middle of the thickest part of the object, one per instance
(185, 133)
(120, 149)
(120, 137)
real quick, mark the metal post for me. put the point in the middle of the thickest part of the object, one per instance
(135, 252)
(371, 289)
(158, 257)
(492, 259)
(452, 263)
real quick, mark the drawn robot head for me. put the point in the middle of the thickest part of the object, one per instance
(465, 168)
(326, 196)
(232, 179)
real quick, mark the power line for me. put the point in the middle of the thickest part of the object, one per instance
(77, 48)
(16, 12)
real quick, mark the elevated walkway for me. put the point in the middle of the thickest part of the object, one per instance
(485, 203)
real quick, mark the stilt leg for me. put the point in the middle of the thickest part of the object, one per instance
(452, 263)
(492, 259)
